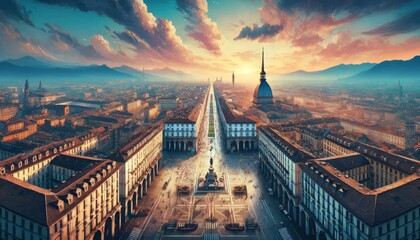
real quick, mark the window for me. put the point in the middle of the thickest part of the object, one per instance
(60, 205)
(70, 199)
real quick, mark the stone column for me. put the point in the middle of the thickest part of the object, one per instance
(141, 191)
(144, 187)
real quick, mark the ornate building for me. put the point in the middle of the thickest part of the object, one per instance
(38, 97)
(54, 194)
(141, 158)
(263, 105)
(356, 192)
(262, 93)
(182, 130)
(239, 133)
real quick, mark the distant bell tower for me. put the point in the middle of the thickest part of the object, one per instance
(233, 78)
(26, 94)
(26, 89)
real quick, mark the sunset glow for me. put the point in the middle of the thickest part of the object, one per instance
(216, 36)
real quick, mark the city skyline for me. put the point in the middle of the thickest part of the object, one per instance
(209, 119)
(193, 36)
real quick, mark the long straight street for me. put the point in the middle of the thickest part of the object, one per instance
(184, 169)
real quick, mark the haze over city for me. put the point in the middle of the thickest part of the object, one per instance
(209, 119)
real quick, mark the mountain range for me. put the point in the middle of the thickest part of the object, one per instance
(386, 71)
(332, 73)
(170, 73)
(37, 69)
(12, 70)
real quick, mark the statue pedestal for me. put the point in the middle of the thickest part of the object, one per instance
(211, 182)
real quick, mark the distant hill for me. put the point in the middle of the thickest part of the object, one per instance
(11, 72)
(39, 69)
(134, 72)
(28, 61)
(332, 73)
(170, 73)
(129, 70)
(387, 71)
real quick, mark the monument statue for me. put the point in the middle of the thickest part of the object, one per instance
(211, 161)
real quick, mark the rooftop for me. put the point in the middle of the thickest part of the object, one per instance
(230, 116)
(137, 142)
(295, 151)
(401, 163)
(26, 160)
(371, 206)
(346, 162)
(43, 202)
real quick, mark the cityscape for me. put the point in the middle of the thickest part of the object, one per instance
(209, 119)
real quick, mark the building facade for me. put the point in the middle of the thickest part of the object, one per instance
(278, 160)
(85, 206)
(356, 192)
(8, 112)
(238, 133)
(140, 159)
(376, 134)
(182, 131)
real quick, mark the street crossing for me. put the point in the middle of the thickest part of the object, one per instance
(284, 234)
(211, 236)
(135, 234)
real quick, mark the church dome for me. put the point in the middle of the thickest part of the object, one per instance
(263, 93)
(263, 90)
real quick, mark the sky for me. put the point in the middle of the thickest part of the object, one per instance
(209, 38)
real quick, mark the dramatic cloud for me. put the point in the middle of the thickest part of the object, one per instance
(13, 10)
(62, 38)
(141, 26)
(262, 33)
(408, 23)
(15, 44)
(132, 39)
(351, 8)
(101, 45)
(307, 40)
(303, 20)
(344, 48)
(201, 28)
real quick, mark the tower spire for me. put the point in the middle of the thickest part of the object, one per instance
(233, 78)
(26, 85)
(262, 68)
(262, 74)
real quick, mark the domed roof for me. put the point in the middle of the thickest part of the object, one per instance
(263, 93)
(263, 90)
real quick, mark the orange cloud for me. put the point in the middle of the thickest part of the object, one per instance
(201, 27)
